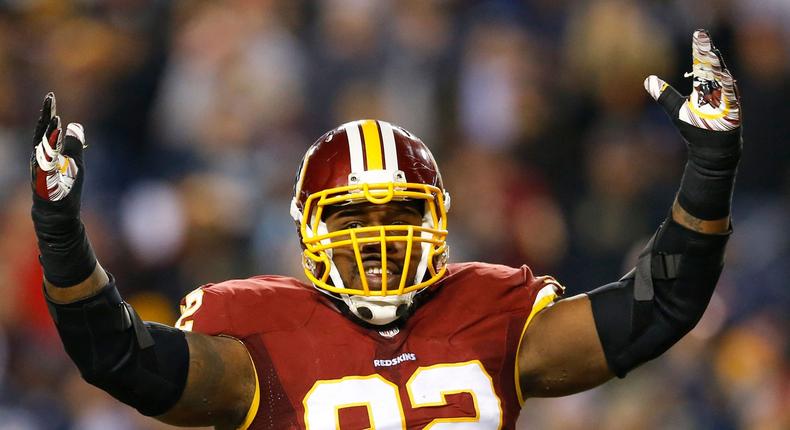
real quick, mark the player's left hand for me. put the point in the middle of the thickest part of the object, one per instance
(710, 122)
(709, 119)
(713, 103)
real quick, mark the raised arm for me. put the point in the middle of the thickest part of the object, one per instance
(180, 378)
(585, 340)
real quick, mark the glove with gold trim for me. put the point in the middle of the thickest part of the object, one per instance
(710, 122)
(57, 172)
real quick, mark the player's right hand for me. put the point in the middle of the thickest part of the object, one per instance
(57, 173)
(56, 165)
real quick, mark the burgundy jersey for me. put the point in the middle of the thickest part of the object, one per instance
(453, 361)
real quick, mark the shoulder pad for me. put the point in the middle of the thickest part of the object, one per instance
(241, 307)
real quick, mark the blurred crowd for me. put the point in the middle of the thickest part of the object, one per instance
(197, 113)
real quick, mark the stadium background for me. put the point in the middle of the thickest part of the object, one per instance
(197, 113)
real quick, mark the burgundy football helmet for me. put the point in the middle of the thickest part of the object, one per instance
(375, 162)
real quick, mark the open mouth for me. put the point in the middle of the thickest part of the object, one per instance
(375, 274)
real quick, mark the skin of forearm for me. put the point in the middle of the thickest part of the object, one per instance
(682, 217)
(85, 289)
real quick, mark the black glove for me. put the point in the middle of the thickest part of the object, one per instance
(57, 174)
(710, 123)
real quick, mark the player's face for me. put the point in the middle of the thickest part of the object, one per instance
(368, 215)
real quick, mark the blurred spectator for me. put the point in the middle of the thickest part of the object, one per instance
(197, 114)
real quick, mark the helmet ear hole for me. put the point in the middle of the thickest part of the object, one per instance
(365, 313)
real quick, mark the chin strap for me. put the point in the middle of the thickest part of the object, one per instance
(379, 310)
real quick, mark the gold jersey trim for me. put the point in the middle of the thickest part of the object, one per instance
(544, 298)
(256, 398)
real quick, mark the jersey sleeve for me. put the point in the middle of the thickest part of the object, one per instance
(489, 289)
(545, 290)
(204, 311)
(244, 307)
(502, 301)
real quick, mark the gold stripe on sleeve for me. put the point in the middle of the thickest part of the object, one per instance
(256, 399)
(545, 297)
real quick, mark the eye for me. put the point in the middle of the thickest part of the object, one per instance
(353, 224)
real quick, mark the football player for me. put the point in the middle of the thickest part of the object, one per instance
(388, 334)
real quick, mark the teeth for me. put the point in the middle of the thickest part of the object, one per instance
(376, 271)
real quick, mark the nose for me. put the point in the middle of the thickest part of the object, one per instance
(395, 249)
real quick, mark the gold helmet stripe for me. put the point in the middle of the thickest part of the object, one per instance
(370, 131)
(390, 153)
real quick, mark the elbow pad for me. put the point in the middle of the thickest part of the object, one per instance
(643, 314)
(142, 364)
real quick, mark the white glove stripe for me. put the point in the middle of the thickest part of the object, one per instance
(75, 129)
(42, 151)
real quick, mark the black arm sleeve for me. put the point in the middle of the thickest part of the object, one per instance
(140, 363)
(661, 299)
